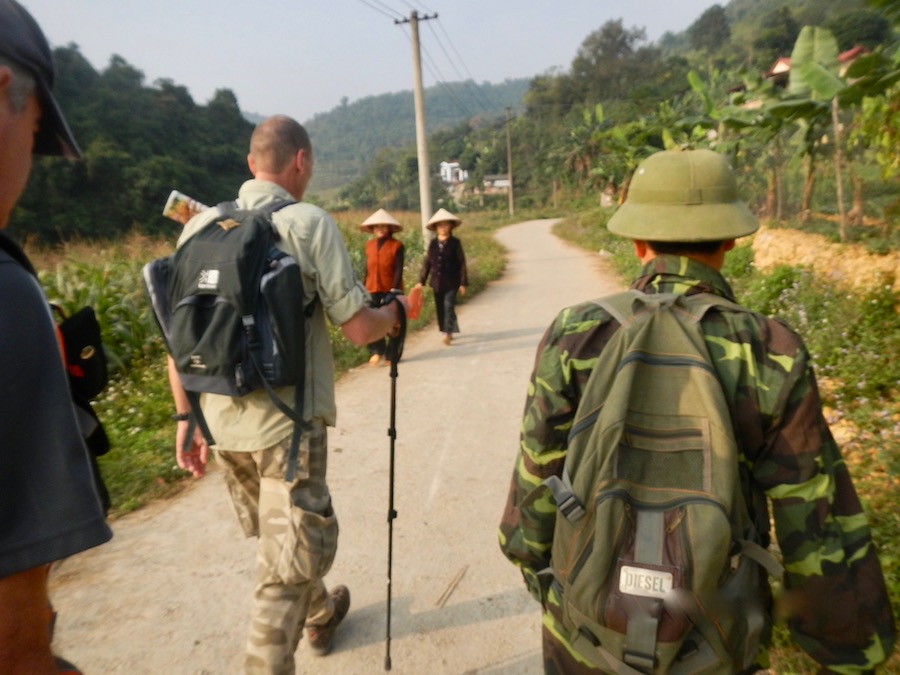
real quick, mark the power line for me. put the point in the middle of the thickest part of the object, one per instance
(435, 73)
(442, 81)
(467, 81)
(414, 8)
(383, 9)
(424, 6)
(476, 94)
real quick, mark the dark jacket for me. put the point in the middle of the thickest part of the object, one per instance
(445, 262)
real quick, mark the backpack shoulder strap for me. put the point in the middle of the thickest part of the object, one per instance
(626, 306)
(701, 303)
(269, 209)
(224, 208)
(227, 208)
(620, 306)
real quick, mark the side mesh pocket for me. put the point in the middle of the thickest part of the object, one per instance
(282, 322)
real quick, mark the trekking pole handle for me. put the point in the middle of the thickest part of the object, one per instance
(395, 342)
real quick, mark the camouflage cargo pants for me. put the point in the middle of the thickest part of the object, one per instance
(297, 532)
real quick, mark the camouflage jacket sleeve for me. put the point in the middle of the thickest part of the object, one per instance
(526, 530)
(836, 599)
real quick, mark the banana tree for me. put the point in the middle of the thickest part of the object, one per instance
(744, 117)
(817, 90)
(813, 90)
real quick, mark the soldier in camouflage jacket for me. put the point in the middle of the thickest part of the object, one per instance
(839, 611)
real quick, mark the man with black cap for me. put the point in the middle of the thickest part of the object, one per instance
(683, 214)
(49, 508)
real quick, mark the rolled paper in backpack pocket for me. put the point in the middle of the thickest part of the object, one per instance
(181, 208)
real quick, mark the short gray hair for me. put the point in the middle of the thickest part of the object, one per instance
(276, 140)
(22, 86)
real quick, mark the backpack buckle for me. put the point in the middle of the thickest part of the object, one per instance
(571, 508)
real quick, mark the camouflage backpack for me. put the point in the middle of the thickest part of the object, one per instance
(654, 550)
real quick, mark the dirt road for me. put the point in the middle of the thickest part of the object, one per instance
(171, 592)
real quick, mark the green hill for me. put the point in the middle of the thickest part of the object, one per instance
(349, 136)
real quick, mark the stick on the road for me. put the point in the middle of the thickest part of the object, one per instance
(441, 601)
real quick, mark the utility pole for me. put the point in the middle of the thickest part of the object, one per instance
(509, 175)
(421, 137)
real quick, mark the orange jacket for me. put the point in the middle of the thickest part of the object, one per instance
(384, 265)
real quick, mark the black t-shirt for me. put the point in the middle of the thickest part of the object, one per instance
(49, 507)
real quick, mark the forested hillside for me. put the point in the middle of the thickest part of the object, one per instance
(139, 142)
(349, 136)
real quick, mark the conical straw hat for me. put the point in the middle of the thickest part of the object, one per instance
(443, 216)
(380, 217)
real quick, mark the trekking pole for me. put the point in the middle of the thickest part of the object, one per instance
(394, 351)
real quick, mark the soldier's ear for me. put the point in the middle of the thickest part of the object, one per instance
(642, 250)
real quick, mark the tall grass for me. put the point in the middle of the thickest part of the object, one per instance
(135, 408)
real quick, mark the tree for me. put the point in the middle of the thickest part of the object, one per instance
(864, 27)
(551, 95)
(778, 32)
(614, 65)
(711, 31)
(876, 135)
(891, 8)
(817, 90)
(603, 64)
(121, 74)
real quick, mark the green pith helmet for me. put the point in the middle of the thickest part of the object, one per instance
(683, 196)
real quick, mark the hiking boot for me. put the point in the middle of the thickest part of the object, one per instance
(321, 637)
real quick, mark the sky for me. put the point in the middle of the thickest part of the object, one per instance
(302, 57)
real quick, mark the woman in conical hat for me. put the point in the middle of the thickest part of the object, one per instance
(445, 263)
(384, 266)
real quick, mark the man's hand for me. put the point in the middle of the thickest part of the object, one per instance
(194, 459)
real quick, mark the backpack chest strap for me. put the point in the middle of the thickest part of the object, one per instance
(649, 537)
(643, 617)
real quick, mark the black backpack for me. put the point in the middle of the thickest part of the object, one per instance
(228, 303)
(86, 369)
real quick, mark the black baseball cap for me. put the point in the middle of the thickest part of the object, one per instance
(23, 42)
